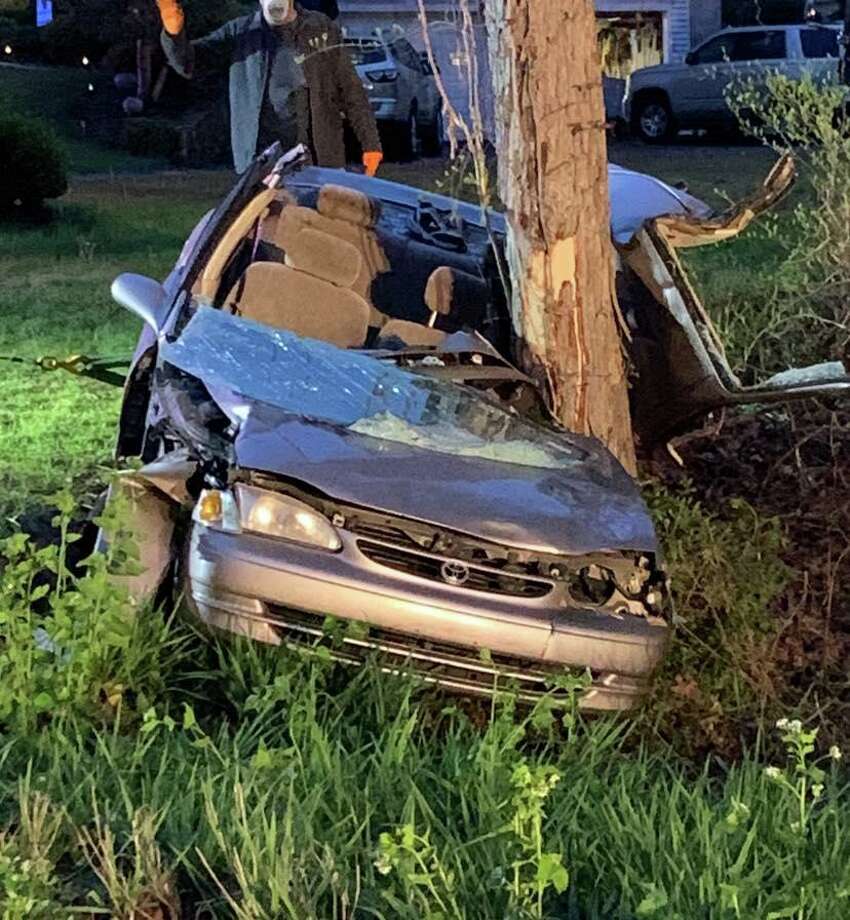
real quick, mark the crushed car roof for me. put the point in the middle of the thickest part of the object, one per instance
(635, 198)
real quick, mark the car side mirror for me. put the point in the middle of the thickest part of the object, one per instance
(142, 296)
(690, 58)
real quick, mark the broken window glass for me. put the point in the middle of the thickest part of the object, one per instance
(241, 361)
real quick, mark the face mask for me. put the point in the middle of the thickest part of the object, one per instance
(277, 12)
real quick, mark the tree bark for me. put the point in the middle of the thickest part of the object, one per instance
(553, 181)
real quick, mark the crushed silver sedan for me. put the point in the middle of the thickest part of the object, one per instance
(309, 452)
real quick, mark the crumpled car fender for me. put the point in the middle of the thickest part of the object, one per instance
(152, 497)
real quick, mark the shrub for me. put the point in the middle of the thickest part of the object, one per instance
(32, 163)
(806, 116)
(91, 27)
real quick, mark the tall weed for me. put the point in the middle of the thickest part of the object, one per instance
(727, 576)
(75, 643)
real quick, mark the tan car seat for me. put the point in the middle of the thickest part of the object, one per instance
(439, 298)
(346, 215)
(311, 294)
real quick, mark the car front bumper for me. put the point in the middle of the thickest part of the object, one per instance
(468, 640)
(386, 109)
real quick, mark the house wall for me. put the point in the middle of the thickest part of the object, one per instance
(706, 19)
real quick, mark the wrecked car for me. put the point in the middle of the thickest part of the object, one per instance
(328, 427)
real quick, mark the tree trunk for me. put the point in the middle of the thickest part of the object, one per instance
(554, 183)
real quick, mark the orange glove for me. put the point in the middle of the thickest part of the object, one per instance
(171, 14)
(372, 159)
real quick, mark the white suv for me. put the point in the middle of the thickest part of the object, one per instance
(661, 100)
(401, 89)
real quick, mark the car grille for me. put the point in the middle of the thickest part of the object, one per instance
(433, 568)
(452, 667)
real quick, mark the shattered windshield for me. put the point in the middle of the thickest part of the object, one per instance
(241, 361)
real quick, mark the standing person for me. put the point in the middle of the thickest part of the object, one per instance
(291, 79)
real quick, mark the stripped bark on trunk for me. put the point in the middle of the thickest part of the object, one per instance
(553, 181)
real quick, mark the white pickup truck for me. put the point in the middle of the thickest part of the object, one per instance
(661, 100)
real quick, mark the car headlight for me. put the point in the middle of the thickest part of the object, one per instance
(382, 76)
(268, 513)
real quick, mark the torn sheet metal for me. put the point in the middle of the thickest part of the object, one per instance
(238, 360)
(683, 230)
(637, 198)
(827, 372)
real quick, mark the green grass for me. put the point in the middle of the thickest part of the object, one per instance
(54, 297)
(276, 786)
(51, 93)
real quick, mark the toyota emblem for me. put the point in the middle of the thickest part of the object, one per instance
(455, 573)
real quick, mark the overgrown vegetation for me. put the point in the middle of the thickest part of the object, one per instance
(184, 774)
(806, 315)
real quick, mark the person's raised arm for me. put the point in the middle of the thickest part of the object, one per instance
(188, 58)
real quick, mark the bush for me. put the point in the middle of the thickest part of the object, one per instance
(32, 163)
(804, 116)
(92, 27)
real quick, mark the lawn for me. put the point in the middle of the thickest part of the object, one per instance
(54, 296)
(51, 93)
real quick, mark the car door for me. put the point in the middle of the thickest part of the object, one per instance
(820, 51)
(135, 406)
(758, 53)
(410, 72)
(697, 94)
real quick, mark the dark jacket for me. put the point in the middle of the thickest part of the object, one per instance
(329, 7)
(334, 90)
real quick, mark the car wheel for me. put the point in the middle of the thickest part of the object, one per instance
(432, 139)
(408, 136)
(653, 121)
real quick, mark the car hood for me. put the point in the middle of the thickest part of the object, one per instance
(588, 506)
(365, 432)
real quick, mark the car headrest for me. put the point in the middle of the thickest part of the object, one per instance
(458, 294)
(323, 256)
(342, 203)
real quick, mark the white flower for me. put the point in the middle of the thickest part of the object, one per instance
(782, 724)
(795, 726)
(817, 791)
(835, 752)
(383, 864)
(772, 772)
